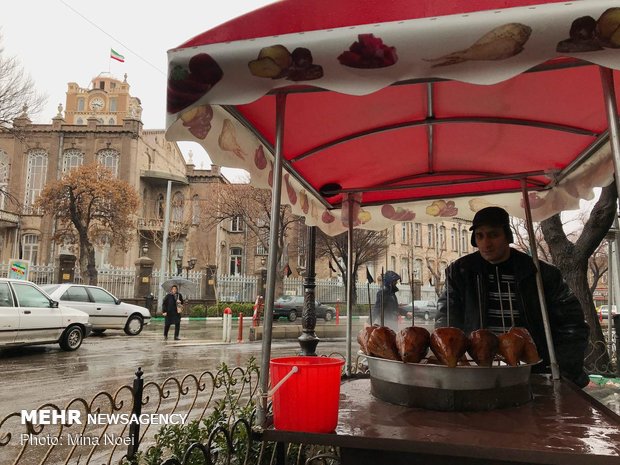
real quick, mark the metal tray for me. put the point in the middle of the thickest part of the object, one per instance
(460, 378)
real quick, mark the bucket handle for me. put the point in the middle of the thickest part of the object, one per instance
(272, 391)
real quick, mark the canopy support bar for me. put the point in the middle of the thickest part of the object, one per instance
(609, 94)
(274, 228)
(349, 283)
(555, 369)
(430, 114)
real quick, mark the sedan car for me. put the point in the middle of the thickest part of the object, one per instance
(291, 306)
(604, 311)
(29, 316)
(426, 309)
(105, 310)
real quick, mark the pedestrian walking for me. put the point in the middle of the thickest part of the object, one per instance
(172, 309)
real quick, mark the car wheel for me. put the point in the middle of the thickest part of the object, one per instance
(328, 316)
(98, 332)
(134, 325)
(72, 338)
(292, 315)
(427, 316)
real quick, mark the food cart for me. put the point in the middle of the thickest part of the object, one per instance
(366, 114)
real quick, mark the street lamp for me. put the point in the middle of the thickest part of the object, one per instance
(191, 263)
(179, 263)
(145, 249)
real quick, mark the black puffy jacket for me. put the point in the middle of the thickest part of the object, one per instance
(568, 327)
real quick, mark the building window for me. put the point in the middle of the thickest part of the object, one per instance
(71, 159)
(236, 224)
(195, 210)
(102, 252)
(80, 105)
(393, 264)
(417, 270)
(30, 248)
(404, 233)
(235, 260)
(160, 207)
(442, 237)
(109, 158)
(177, 207)
(418, 234)
(431, 235)
(111, 121)
(454, 242)
(102, 85)
(404, 270)
(35, 177)
(112, 104)
(464, 241)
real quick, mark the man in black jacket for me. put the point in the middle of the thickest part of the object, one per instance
(495, 288)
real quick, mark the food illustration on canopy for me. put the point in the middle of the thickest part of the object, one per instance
(590, 35)
(276, 62)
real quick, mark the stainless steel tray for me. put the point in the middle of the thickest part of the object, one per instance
(460, 378)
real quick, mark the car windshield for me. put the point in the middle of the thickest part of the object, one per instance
(49, 288)
(285, 298)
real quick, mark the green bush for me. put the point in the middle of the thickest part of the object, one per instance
(218, 310)
(198, 311)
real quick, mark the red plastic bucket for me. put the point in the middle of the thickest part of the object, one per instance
(308, 400)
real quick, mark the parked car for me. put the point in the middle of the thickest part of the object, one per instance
(29, 316)
(291, 306)
(604, 311)
(426, 309)
(105, 310)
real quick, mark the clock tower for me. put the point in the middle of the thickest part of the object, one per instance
(107, 99)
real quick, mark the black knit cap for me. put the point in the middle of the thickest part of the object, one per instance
(491, 216)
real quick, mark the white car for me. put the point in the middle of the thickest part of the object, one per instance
(105, 310)
(29, 316)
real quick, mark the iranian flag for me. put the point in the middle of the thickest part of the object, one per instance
(116, 56)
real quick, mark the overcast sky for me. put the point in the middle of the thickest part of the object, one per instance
(61, 41)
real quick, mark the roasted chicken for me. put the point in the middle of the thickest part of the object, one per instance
(363, 336)
(530, 353)
(511, 347)
(412, 343)
(483, 345)
(449, 345)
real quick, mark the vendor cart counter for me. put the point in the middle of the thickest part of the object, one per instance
(562, 426)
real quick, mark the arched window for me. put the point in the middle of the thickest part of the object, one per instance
(102, 252)
(431, 235)
(195, 210)
(464, 241)
(109, 158)
(442, 237)
(111, 121)
(177, 207)
(236, 254)
(417, 269)
(30, 248)
(80, 105)
(71, 159)
(35, 176)
(454, 241)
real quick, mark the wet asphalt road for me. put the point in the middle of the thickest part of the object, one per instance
(32, 376)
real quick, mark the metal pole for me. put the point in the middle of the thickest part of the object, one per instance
(274, 227)
(308, 339)
(134, 428)
(611, 270)
(163, 264)
(349, 283)
(555, 369)
(609, 94)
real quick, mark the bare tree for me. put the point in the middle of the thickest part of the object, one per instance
(92, 206)
(368, 247)
(572, 258)
(17, 91)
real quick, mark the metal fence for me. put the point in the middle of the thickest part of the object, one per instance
(237, 288)
(118, 281)
(190, 292)
(39, 274)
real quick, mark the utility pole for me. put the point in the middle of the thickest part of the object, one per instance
(163, 266)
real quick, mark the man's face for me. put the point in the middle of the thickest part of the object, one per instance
(492, 243)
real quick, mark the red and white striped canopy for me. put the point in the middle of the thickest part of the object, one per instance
(424, 110)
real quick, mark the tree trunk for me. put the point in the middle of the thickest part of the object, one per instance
(88, 268)
(572, 260)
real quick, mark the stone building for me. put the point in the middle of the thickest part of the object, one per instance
(102, 124)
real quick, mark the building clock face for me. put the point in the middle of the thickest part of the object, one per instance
(96, 104)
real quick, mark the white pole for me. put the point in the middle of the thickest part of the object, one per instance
(164, 250)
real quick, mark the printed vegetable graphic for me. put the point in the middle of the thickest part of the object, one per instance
(499, 44)
(198, 120)
(327, 217)
(397, 214)
(589, 35)
(259, 158)
(292, 195)
(186, 86)
(368, 52)
(276, 62)
(228, 139)
(442, 208)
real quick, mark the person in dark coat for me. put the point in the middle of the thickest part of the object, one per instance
(386, 299)
(495, 288)
(171, 312)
